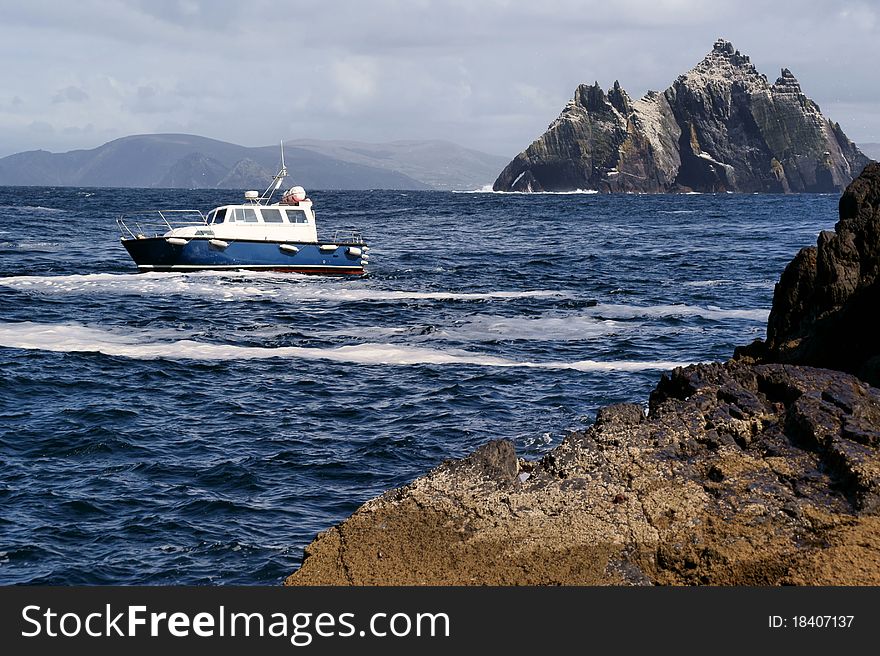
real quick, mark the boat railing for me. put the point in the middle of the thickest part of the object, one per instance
(154, 223)
(348, 236)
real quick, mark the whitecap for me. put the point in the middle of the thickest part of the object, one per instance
(663, 311)
(494, 328)
(31, 208)
(706, 283)
(487, 189)
(545, 328)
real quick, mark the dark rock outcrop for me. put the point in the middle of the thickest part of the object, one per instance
(194, 171)
(245, 174)
(741, 473)
(720, 127)
(826, 306)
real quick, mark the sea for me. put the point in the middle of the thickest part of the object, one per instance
(202, 428)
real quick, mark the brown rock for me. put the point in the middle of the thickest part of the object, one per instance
(722, 484)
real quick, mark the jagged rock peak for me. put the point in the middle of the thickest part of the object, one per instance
(591, 98)
(787, 83)
(620, 99)
(726, 64)
(725, 49)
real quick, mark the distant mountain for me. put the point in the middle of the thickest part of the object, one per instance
(188, 161)
(872, 150)
(440, 164)
(720, 127)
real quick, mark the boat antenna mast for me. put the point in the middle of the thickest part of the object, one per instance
(276, 181)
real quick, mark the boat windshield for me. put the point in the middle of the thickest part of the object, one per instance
(219, 215)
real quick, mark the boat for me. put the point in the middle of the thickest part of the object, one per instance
(255, 235)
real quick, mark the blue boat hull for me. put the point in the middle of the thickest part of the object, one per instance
(157, 254)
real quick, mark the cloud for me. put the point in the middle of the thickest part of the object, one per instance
(41, 127)
(860, 15)
(356, 83)
(76, 130)
(146, 99)
(70, 94)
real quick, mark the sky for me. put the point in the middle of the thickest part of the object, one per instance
(487, 74)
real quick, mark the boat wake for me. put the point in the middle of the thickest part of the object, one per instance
(231, 287)
(142, 345)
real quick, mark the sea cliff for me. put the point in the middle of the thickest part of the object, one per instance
(722, 126)
(762, 470)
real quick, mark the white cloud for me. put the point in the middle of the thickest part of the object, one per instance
(860, 15)
(70, 94)
(356, 80)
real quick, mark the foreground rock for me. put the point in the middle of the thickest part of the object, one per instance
(720, 127)
(739, 475)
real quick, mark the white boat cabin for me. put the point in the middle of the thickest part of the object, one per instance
(289, 220)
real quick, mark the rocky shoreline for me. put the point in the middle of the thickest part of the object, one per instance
(764, 470)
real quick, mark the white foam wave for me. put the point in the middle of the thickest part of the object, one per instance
(219, 285)
(69, 338)
(661, 311)
(707, 283)
(35, 246)
(546, 328)
(31, 208)
(494, 328)
(487, 189)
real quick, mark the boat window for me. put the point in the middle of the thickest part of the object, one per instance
(296, 216)
(271, 216)
(221, 214)
(245, 214)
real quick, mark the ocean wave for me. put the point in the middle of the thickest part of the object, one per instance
(141, 345)
(31, 208)
(546, 328)
(487, 189)
(493, 328)
(707, 283)
(32, 246)
(664, 311)
(219, 285)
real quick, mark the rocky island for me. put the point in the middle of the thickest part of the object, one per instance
(764, 470)
(720, 127)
